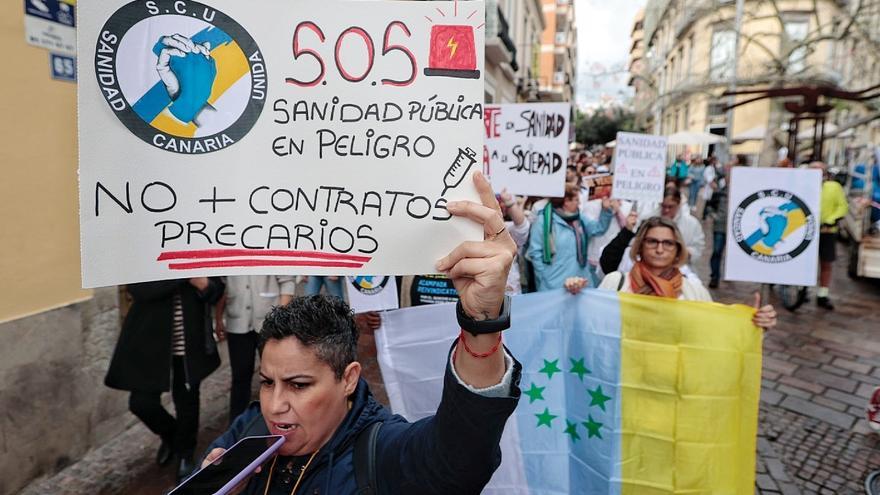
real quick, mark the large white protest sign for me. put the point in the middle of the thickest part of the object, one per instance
(526, 147)
(371, 293)
(639, 167)
(773, 225)
(272, 137)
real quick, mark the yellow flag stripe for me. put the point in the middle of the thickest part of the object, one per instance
(690, 384)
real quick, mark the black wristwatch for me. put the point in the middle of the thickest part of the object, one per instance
(477, 327)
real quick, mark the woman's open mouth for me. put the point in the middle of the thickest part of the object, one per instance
(283, 428)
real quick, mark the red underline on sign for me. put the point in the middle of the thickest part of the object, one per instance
(204, 254)
(250, 263)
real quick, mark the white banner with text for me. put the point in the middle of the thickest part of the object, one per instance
(526, 148)
(229, 138)
(639, 167)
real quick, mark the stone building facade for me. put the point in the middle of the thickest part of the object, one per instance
(683, 60)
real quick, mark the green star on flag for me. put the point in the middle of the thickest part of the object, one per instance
(578, 368)
(550, 367)
(535, 393)
(593, 428)
(545, 418)
(597, 398)
(571, 430)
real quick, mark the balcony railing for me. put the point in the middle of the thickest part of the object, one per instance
(504, 34)
(500, 46)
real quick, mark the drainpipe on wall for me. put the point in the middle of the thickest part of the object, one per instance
(737, 27)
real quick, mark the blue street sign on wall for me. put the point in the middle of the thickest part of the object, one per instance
(63, 67)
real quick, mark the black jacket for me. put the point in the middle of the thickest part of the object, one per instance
(142, 359)
(456, 451)
(612, 255)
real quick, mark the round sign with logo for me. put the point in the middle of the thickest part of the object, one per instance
(181, 75)
(773, 226)
(368, 285)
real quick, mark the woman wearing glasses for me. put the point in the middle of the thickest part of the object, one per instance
(658, 252)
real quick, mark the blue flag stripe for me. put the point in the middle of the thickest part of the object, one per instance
(570, 436)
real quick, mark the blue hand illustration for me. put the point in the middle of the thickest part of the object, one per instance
(188, 72)
(773, 224)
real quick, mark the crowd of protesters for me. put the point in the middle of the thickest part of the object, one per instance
(581, 240)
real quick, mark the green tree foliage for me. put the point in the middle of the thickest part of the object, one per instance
(602, 125)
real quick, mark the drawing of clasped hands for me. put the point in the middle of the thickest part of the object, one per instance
(188, 71)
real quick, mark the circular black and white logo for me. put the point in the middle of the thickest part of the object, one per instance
(773, 226)
(368, 285)
(181, 75)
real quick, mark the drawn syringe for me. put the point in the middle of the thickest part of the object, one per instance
(465, 159)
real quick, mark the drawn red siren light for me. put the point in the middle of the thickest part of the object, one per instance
(452, 52)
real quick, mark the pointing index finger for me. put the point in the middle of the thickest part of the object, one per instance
(484, 189)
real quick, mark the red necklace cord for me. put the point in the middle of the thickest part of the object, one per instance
(477, 354)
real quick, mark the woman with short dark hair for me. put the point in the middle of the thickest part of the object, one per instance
(312, 393)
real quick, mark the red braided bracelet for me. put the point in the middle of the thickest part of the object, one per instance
(477, 354)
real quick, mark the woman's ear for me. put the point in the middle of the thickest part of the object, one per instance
(350, 377)
(681, 255)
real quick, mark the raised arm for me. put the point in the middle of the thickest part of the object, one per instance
(598, 227)
(478, 270)
(612, 255)
(455, 451)
(458, 449)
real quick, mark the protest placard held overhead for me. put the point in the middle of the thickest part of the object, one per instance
(526, 147)
(307, 137)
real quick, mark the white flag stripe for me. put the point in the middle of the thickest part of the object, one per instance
(412, 347)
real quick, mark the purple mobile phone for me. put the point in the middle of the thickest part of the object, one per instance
(231, 468)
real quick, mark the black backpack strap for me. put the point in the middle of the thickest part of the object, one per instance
(622, 279)
(365, 460)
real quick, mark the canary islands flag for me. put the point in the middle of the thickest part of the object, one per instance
(620, 393)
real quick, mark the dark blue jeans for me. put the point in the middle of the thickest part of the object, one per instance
(718, 242)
